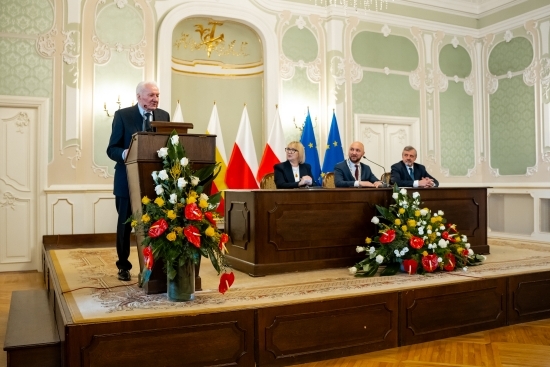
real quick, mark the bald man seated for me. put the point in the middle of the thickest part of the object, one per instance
(353, 173)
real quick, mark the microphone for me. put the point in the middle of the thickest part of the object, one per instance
(383, 178)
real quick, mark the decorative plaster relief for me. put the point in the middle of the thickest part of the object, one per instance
(75, 157)
(300, 23)
(102, 53)
(100, 171)
(45, 44)
(368, 133)
(508, 35)
(455, 42)
(545, 78)
(314, 71)
(402, 136)
(137, 56)
(415, 80)
(387, 70)
(471, 172)
(9, 200)
(338, 70)
(531, 171)
(121, 3)
(69, 46)
(444, 171)
(494, 172)
(286, 67)
(21, 120)
(433, 78)
(492, 83)
(469, 85)
(530, 74)
(355, 71)
(386, 30)
(456, 79)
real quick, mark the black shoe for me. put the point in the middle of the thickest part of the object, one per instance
(124, 275)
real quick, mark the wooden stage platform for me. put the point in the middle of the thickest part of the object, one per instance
(298, 332)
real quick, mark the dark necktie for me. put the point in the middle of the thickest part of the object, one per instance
(411, 173)
(147, 121)
(356, 172)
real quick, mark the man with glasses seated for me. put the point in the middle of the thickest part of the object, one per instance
(293, 172)
(353, 173)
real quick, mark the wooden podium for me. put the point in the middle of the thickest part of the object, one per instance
(142, 160)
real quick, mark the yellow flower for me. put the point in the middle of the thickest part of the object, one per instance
(434, 219)
(397, 222)
(179, 230)
(134, 223)
(210, 232)
(429, 226)
(401, 211)
(145, 200)
(193, 194)
(432, 236)
(368, 240)
(171, 214)
(459, 250)
(191, 200)
(159, 202)
(145, 218)
(411, 223)
(203, 203)
(404, 228)
(171, 236)
(457, 238)
(417, 213)
(425, 253)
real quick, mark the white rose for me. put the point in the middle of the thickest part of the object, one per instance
(173, 197)
(429, 231)
(352, 270)
(359, 249)
(467, 245)
(440, 212)
(435, 215)
(442, 243)
(155, 176)
(423, 212)
(405, 250)
(162, 152)
(375, 220)
(425, 238)
(403, 192)
(175, 139)
(194, 180)
(181, 182)
(395, 195)
(159, 190)
(470, 252)
(464, 238)
(465, 268)
(379, 259)
(204, 197)
(442, 228)
(397, 254)
(371, 250)
(420, 230)
(439, 260)
(184, 161)
(415, 195)
(429, 246)
(163, 175)
(437, 234)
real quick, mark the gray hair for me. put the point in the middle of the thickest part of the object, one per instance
(141, 86)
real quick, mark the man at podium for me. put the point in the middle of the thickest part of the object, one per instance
(127, 122)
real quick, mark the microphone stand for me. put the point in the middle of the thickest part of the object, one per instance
(384, 183)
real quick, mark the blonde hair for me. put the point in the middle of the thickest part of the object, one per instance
(300, 148)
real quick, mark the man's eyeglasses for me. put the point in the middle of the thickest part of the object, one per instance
(290, 150)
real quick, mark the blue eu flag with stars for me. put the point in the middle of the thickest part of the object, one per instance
(334, 152)
(310, 147)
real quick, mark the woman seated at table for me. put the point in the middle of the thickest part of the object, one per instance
(293, 172)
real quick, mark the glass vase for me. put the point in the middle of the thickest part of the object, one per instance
(182, 287)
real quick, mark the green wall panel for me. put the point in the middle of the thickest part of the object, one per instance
(455, 61)
(457, 130)
(512, 124)
(29, 17)
(382, 94)
(300, 44)
(112, 18)
(513, 56)
(376, 51)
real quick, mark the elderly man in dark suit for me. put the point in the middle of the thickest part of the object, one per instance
(126, 123)
(409, 174)
(353, 173)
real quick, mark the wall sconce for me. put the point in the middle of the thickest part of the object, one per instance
(301, 126)
(118, 102)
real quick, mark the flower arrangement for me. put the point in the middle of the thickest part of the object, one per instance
(414, 240)
(179, 225)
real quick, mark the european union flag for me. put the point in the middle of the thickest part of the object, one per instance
(310, 147)
(334, 152)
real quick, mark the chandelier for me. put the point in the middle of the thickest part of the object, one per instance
(377, 5)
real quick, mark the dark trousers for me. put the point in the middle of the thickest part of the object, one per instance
(123, 231)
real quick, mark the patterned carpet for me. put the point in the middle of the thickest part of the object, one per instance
(93, 292)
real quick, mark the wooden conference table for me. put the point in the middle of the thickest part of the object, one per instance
(278, 231)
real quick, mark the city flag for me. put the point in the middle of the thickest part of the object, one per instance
(243, 164)
(310, 147)
(214, 128)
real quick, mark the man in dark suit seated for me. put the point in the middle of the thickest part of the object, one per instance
(127, 122)
(409, 174)
(353, 173)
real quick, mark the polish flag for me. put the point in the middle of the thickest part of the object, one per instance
(274, 151)
(243, 164)
(177, 116)
(214, 128)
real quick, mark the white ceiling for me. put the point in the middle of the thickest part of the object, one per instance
(469, 7)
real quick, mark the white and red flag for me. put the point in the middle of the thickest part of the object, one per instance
(214, 128)
(274, 151)
(177, 116)
(243, 164)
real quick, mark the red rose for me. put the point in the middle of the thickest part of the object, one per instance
(465, 252)
(410, 266)
(429, 263)
(193, 235)
(387, 236)
(226, 281)
(450, 262)
(416, 242)
(158, 228)
(210, 217)
(223, 240)
(148, 257)
(192, 212)
(445, 235)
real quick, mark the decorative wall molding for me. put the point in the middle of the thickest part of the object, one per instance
(45, 44)
(102, 52)
(21, 120)
(101, 171)
(8, 200)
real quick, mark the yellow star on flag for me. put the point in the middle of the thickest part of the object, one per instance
(310, 145)
(335, 143)
(328, 146)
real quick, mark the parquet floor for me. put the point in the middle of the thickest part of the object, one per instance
(525, 345)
